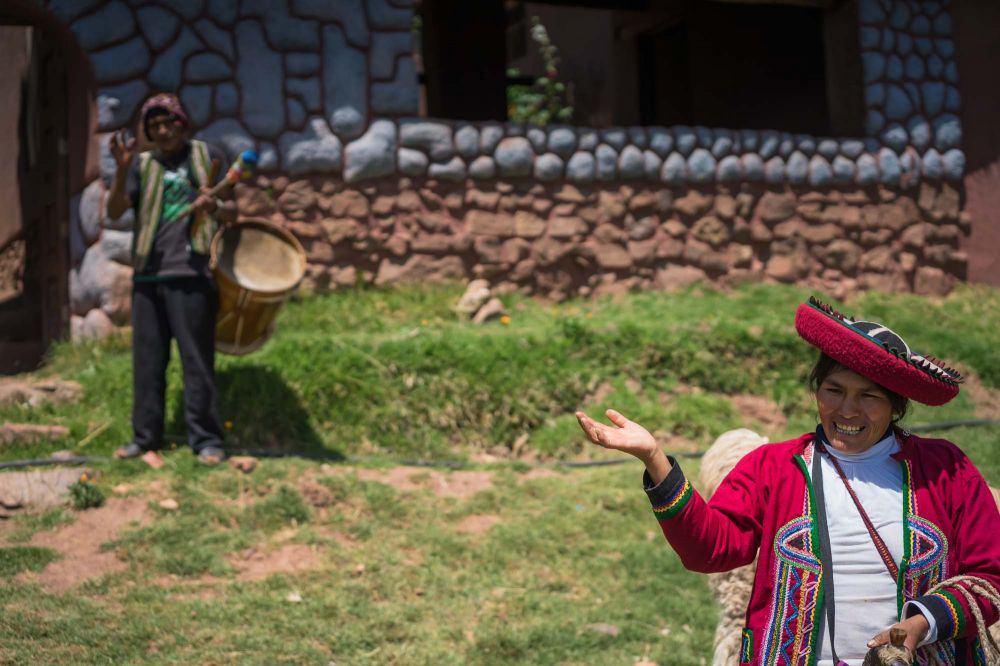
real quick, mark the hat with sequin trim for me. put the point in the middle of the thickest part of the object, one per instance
(163, 101)
(876, 352)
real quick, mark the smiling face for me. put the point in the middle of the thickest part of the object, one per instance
(165, 132)
(854, 410)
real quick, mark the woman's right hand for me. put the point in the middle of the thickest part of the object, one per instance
(122, 149)
(626, 436)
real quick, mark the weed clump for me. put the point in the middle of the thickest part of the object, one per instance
(85, 495)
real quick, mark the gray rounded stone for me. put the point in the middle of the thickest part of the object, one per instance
(638, 136)
(111, 23)
(116, 105)
(227, 99)
(753, 167)
(701, 166)
(867, 171)
(120, 62)
(607, 162)
(661, 141)
(91, 211)
(453, 170)
(467, 141)
(651, 163)
(223, 12)
(268, 158)
(909, 168)
(897, 106)
(167, 68)
(588, 140)
(512, 128)
(401, 96)
(894, 68)
(674, 170)
(870, 11)
(787, 145)
(730, 169)
(914, 67)
(302, 64)
(385, 15)
(904, 44)
(797, 168)
(870, 37)
(805, 144)
(562, 141)
(769, 143)
(820, 173)
(873, 65)
(685, 139)
(413, 162)
(895, 137)
(851, 148)
(888, 167)
(935, 66)
(309, 91)
(229, 135)
(158, 25)
(843, 170)
(344, 82)
(630, 163)
(952, 100)
(900, 18)
(348, 13)
(705, 136)
(483, 168)
(723, 146)
(947, 132)
(774, 171)
(933, 94)
(374, 154)
(616, 137)
(951, 72)
(828, 148)
(942, 24)
(514, 157)
(923, 45)
(385, 49)
(548, 167)
(537, 138)
(920, 132)
(874, 94)
(932, 166)
(206, 68)
(259, 69)
(888, 40)
(313, 150)
(117, 246)
(197, 101)
(489, 138)
(920, 26)
(433, 138)
(749, 139)
(874, 122)
(581, 167)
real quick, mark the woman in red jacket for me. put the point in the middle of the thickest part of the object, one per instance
(858, 527)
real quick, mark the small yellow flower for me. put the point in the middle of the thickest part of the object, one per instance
(590, 315)
(423, 322)
(228, 425)
(505, 320)
(84, 478)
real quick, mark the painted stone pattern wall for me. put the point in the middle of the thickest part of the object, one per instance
(326, 91)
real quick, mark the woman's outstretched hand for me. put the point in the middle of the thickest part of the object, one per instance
(628, 437)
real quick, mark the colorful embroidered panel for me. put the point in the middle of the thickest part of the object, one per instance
(746, 646)
(798, 584)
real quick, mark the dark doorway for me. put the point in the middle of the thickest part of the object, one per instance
(34, 200)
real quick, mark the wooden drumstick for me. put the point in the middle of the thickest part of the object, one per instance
(243, 168)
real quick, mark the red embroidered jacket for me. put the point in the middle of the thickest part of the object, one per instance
(950, 526)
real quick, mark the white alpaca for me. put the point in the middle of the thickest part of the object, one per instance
(732, 588)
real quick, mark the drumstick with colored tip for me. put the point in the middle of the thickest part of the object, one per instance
(241, 169)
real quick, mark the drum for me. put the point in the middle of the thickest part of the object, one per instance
(257, 265)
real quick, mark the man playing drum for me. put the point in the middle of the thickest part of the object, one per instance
(174, 295)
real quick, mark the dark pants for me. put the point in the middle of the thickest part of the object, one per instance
(183, 309)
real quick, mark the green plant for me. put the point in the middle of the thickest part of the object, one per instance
(544, 101)
(85, 495)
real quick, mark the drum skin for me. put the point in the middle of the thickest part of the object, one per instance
(257, 266)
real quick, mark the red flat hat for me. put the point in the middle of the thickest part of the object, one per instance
(874, 351)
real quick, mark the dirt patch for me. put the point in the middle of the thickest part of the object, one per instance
(985, 399)
(539, 473)
(80, 544)
(477, 523)
(204, 588)
(293, 558)
(758, 409)
(459, 484)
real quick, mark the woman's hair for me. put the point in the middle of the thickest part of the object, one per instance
(825, 366)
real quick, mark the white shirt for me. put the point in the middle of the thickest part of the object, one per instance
(865, 592)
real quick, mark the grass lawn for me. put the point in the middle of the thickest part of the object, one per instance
(502, 559)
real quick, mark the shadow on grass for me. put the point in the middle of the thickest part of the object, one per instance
(261, 413)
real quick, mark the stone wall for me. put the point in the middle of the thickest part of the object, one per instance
(560, 240)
